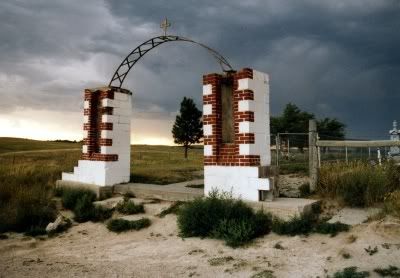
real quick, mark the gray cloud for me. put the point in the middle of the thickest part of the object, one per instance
(333, 58)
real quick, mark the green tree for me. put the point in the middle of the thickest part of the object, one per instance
(188, 127)
(330, 129)
(294, 120)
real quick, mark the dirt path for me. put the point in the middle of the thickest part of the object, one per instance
(90, 250)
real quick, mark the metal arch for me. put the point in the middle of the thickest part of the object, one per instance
(130, 60)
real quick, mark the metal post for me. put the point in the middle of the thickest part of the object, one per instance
(347, 159)
(369, 152)
(288, 147)
(277, 147)
(312, 153)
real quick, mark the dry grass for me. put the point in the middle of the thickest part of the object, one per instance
(27, 179)
(358, 183)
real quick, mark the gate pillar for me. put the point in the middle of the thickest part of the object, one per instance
(106, 142)
(237, 155)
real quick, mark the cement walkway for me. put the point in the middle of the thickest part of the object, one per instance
(282, 207)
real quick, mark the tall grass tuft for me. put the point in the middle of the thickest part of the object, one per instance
(358, 184)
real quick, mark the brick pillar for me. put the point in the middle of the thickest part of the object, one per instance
(106, 143)
(238, 166)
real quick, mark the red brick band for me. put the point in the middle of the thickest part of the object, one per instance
(228, 154)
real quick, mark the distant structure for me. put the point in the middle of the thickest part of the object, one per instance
(394, 136)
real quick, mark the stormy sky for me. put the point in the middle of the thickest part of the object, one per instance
(338, 59)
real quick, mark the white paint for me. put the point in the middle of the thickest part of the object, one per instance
(207, 109)
(248, 149)
(246, 127)
(208, 150)
(85, 119)
(260, 127)
(104, 173)
(207, 130)
(86, 104)
(207, 90)
(242, 182)
(246, 105)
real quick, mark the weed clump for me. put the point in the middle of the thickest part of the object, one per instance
(174, 208)
(220, 216)
(80, 201)
(306, 224)
(129, 207)
(390, 271)
(121, 225)
(70, 197)
(351, 272)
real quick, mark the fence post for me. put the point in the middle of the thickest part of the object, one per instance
(277, 147)
(312, 154)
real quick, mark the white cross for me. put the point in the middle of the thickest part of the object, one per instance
(164, 25)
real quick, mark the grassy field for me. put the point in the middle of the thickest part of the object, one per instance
(8, 145)
(149, 164)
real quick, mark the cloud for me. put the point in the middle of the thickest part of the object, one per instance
(333, 58)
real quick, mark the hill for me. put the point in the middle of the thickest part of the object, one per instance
(9, 144)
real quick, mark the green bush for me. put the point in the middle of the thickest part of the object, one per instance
(129, 207)
(306, 224)
(331, 228)
(305, 190)
(302, 225)
(70, 196)
(121, 225)
(219, 216)
(351, 272)
(390, 271)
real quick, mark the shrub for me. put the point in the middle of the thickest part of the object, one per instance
(306, 224)
(129, 207)
(305, 190)
(70, 196)
(121, 225)
(220, 216)
(174, 208)
(331, 228)
(295, 226)
(390, 271)
(84, 208)
(351, 272)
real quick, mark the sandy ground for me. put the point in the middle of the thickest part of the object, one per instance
(90, 250)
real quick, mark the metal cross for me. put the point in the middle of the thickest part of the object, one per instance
(164, 25)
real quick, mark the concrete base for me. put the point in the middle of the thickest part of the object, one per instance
(281, 207)
(102, 192)
(171, 192)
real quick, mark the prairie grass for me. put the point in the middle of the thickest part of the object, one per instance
(165, 164)
(27, 178)
(26, 185)
(127, 206)
(357, 183)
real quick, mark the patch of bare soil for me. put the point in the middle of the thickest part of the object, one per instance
(90, 250)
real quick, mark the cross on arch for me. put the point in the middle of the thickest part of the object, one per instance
(164, 25)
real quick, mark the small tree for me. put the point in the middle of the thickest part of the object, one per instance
(188, 127)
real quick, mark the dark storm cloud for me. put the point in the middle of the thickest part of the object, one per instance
(334, 58)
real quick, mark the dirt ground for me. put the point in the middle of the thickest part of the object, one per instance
(90, 250)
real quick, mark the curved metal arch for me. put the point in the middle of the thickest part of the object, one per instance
(130, 60)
